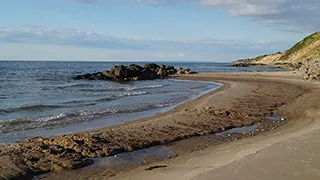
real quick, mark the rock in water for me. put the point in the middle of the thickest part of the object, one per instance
(119, 71)
(162, 72)
(135, 72)
(151, 66)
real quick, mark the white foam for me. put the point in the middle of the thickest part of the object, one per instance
(145, 87)
(134, 93)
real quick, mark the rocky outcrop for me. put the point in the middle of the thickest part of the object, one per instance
(135, 72)
(244, 63)
(303, 56)
(311, 69)
(180, 70)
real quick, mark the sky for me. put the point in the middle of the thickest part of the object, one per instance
(152, 30)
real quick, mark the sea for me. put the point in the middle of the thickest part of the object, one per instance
(41, 98)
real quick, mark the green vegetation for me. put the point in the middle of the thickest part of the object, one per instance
(308, 42)
(305, 50)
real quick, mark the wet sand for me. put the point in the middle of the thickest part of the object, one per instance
(245, 99)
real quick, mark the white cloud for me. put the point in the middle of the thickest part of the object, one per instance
(247, 7)
(77, 37)
(45, 43)
(302, 14)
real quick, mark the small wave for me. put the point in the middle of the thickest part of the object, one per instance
(135, 93)
(63, 119)
(43, 79)
(94, 90)
(105, 99)
(3, 112)
(73, 102)
(164, 105)
(145, 87)
(73, 86)
(51, 118)
(29, 108)
(14, 121)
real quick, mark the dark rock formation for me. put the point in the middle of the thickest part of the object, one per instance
(180, 70)
(246, 63)
(135, 72)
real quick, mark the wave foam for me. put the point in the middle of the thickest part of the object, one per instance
(145, 87)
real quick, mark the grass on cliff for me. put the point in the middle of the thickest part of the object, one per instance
(303, 44)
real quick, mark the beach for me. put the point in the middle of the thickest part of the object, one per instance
(289, 152)
(245, 99)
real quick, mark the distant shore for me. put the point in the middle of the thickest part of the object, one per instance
(245, 99)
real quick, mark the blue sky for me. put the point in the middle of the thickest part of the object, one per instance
(152, 30)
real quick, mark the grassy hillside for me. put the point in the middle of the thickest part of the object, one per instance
(306, 49)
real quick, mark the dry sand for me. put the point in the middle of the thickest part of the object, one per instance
(245, 98)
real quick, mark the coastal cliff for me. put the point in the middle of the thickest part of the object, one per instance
(303, 56)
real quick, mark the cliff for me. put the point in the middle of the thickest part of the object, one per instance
(303, 56)
(304, 50)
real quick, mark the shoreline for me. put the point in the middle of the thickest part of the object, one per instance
(178, 115)
(80, 127)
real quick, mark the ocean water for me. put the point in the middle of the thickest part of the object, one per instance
(42, 98)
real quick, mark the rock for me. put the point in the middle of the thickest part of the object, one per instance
(12, 169)
(172, 71)
(310, 69)
(135, 72)
(246, 63)
(119, 71)
(187, 71)
(163, 66)
(107, 75)
(180, 70)
(162, 72)
(151, 66)
(134, 67)
(241, 64)
(170, 67)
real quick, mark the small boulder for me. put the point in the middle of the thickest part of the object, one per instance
(162, 73)
(119, 71)
(151, 66)
(134, 70)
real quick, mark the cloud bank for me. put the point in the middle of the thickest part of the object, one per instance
(75, 37)
(100, 44)
(302, 14)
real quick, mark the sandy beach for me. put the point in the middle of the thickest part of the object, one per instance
(288, 152)
(280, 149)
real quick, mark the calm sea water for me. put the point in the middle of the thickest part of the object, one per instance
(42, 99)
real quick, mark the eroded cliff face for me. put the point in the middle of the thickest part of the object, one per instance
(303, 56)
(304, 50)
(268, 59)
